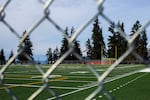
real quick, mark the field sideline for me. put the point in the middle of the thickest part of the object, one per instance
(74, 82)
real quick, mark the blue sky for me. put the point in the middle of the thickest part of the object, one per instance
(22, 14)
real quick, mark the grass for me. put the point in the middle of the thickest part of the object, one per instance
(72, 77)
(137, 90)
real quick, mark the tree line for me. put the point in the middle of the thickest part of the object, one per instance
(23, 57)
(95, 46)
(3, 58)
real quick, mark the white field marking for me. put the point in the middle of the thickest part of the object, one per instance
(80, 72)
(94, 85)
(73, 67)
(130, 66)
(75, 81)
(23, 85)
(138, 78)
(69, 93)
(121, 86)
(125, 84)
(55, 76)
(86, 85)
(17, 72)
(67, 88)
(36, 76)
(114, 89)
(145, 70)
(100, 96)
(131, 81)
(80, 77)
(118, 88)
(23, 79)
(100, 70)
(120, 76)
(51, 76)
(45, 66)
(110, 91)
(38, 86)
(85, 72)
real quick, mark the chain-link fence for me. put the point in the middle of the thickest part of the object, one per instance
(45, 75)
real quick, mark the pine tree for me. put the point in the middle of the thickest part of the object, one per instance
(11, 55)
(77, 48)
(144, 45)
(49, 56)
(111, 42)
(2, 57)
(97, 41)
(140, 43)
(135, 28)
(27, 50)
(117, 45)
(55, 54)
(89, 49)
(64, 47)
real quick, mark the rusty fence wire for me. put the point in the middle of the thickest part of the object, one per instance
(45, 75)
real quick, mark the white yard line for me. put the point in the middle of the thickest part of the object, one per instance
(23, 79)
(95, 84)
(125, 84)
(120, 76)
(80, 77)
(51, 76)
(80, 72)
(22, 85)
(17, 72)
(75, 81)
(67, 88)
(129, 66)
(38, 86)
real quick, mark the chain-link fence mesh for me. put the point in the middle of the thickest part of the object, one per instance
(45, 75)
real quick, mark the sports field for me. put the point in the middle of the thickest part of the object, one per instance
(76, 82)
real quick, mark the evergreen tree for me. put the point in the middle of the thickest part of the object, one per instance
(97, 41)
(11, 55)
(140, 43)
(49, 56)
(144, 44)
(2, 57)
(117, 45)
(111, 42)
(27, 50)
(135, 28)
(77, 48)
(55, 54)
(64, 47)
(89, 49)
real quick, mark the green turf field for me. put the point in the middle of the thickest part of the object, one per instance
(76, 82)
